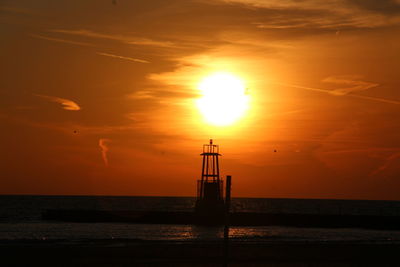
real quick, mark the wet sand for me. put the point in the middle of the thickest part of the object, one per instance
(189, 253)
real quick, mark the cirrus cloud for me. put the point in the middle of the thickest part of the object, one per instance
(66, 103)
(353, 83)
(104, 149)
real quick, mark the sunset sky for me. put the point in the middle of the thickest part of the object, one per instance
(102, 97)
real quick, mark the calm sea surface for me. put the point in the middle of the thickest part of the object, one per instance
(20, 219)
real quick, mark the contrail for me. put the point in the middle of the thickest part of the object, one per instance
(333, 93)
(60, 40)
(122, 57)
(349, 80)
(104, 149)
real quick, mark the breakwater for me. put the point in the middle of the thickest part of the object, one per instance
(235, 218)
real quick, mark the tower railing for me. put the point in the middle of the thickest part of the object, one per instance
(210, 186)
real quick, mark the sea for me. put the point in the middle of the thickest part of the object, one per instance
(21, 220)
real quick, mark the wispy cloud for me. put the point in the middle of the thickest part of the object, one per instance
(116, 37)
(331, 22)
(389, 7)
(388, 162)
(367, 150)
(353, 81)
(144, 94)
(332, 92)
(66, 103)
(60, 40)
(329, 14)
(122, 57)
(104, 149)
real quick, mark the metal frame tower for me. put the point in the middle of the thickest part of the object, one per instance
(210, 187)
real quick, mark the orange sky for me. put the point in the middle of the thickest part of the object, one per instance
(99, 98)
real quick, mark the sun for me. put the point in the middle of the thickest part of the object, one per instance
(223, 99)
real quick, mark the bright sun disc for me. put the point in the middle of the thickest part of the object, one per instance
(223, 100)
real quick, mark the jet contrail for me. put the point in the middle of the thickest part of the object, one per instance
(122, 57)
(330, 92)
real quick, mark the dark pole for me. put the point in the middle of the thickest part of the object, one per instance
(226, 228)
(202, 176)
(219, 186)
(228, 196)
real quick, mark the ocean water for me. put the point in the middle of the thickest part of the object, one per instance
(20, 219)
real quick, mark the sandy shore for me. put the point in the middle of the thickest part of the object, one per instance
(167, 253)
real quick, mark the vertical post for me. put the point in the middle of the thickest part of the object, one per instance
(213, 166)
(226, 227)
(220, 194)
(228, 195)
(202, 178)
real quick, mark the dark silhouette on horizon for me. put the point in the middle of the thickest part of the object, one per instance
(210, 206)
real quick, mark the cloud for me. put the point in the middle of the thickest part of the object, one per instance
(104, 149)
(122, 57)
(66, 103)
(390, 7)
(353, 81)
(164, 93)
(143, 94)
(381, 6)
(388, 162)
(60, 40)
(332, 92)
(116, 37)
(316, 24)
(361, 150)
(311, 15)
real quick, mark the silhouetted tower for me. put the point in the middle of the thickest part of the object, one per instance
(210, 200)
